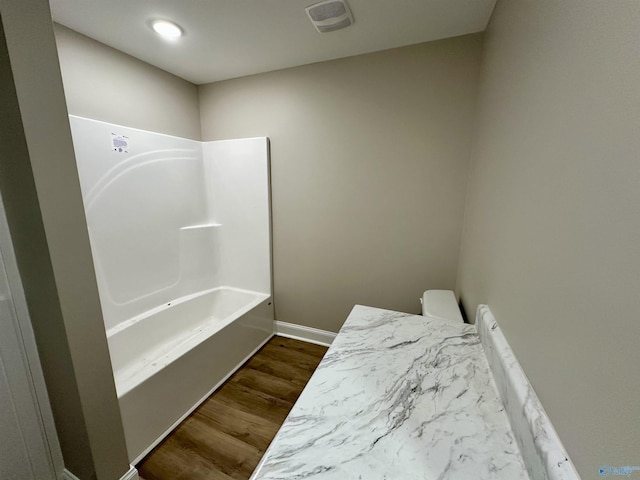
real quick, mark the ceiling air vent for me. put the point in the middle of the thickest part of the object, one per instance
(330, 15)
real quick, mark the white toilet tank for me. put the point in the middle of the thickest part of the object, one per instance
(441, 304)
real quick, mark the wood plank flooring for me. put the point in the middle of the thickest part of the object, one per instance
(227, 435)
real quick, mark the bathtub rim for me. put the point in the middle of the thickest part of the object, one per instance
(143, 434)
(124, 386)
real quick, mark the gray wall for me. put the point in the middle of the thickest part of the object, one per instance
(40, 189)
(105, 84)
(369, 168)
(27, 232)
(552, 230)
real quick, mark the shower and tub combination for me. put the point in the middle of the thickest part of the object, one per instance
(181, 241)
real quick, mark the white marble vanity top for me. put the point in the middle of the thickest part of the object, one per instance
(397, 396)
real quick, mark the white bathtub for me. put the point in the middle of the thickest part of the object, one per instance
(169, 359)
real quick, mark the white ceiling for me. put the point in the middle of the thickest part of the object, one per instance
(232, 38)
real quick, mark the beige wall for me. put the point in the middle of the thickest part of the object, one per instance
(41, 192)
(105, 84)
(369, 167)
(23, 214)
(552, 229)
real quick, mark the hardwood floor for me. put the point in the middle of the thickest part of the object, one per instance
(227, 435)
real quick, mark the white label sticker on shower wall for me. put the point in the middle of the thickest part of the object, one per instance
(119, 143)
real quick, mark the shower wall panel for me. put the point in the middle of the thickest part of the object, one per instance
(170, 217)
(237, 175)
(148, 216)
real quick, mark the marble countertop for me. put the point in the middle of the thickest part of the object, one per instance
(397, 396)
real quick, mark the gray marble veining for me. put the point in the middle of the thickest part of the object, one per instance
(546, 458)
(397, 396)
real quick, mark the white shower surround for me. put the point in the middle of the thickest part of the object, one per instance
(181, 240)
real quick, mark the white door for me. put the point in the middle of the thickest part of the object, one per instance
(29, 447)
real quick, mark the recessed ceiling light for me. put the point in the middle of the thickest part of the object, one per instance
(166, 28)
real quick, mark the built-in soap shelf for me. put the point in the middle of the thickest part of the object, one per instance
(202, 225)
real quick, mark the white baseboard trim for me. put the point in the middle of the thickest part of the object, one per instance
(306, 334)
(67, 475)
(198, 403)
(132, 474)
